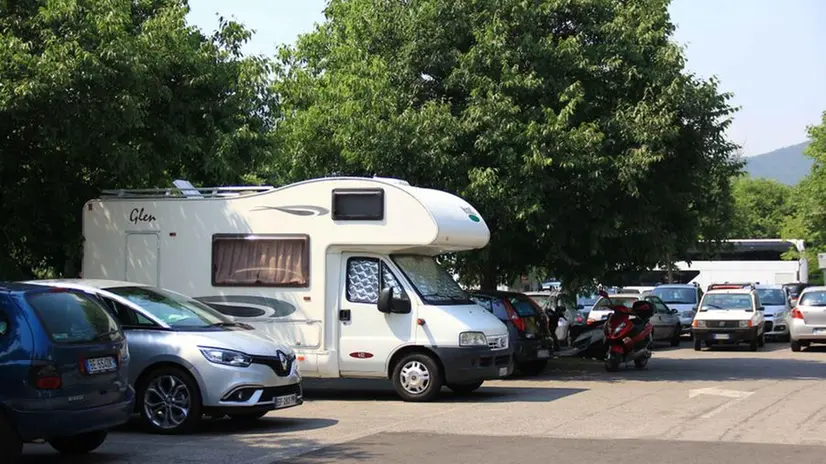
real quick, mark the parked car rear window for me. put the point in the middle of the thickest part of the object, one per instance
(541, 300)
(815, 298)
(74, 317)
(493, 305)
(523, 307)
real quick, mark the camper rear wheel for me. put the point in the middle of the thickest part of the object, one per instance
(417, 377)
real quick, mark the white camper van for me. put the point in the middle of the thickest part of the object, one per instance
(342, 269)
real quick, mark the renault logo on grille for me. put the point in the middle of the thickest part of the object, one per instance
(282, 359)
(722, 323)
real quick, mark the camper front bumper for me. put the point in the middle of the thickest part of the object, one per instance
(468, 365)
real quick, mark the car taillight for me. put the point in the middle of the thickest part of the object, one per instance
(46, 377)
(796, 314)
(517, 321)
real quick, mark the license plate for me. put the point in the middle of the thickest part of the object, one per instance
(503, 371)
(101, 365)
(286, 401)
(722, 336)
(819, 331)
(542, 354)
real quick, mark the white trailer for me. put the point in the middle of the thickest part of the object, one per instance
(342, 269)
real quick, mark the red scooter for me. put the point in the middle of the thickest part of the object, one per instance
(628, 335)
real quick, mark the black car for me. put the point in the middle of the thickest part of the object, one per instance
(793, 291)
(527, 324)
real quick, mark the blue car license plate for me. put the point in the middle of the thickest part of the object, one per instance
(101, 365)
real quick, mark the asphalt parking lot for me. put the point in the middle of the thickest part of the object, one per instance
(726, 405)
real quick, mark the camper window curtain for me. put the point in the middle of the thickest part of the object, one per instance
(240, 261)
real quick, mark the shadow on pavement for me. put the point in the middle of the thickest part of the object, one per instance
(382, 390)
(264, 450)
(266, 425)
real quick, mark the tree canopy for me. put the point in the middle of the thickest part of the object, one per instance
(809, 218)
(572, 126)
(102, 94)
(762, 207)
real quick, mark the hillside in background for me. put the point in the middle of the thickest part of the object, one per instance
(786, 165)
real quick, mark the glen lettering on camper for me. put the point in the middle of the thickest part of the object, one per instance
(139, 215)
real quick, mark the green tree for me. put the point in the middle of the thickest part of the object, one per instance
(761, 208)
(571, 126)
(104, 94)
(809, 220)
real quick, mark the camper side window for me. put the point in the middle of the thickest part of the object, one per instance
(260, 261)
(365, 278)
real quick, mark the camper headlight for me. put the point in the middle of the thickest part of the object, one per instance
(226, 357)
(745, 324)
(473, 339)
(699, 324)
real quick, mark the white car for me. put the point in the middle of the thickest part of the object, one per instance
(807, 321)
(730, 314)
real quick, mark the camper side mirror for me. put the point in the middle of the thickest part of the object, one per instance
(385, 304)
(388, 304)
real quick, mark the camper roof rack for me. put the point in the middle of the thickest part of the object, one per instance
(731, 286)
(183, 189)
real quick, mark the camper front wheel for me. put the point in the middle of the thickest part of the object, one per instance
(417, 377)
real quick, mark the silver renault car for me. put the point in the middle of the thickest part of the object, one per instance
(189, 360)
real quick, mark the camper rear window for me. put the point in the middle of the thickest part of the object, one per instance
(260, 261)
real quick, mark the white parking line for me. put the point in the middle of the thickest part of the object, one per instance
(736, 396)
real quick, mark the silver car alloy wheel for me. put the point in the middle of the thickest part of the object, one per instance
(415, 377)
(166, 402)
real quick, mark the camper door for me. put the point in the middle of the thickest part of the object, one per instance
(367, 336)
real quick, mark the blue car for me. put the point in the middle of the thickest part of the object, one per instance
(64, 363)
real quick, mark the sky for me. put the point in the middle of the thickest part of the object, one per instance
(769, 53)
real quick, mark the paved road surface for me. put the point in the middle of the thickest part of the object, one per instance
(727, 399)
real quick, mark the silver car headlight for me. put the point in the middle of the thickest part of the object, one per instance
(780, 316)
(225, 356)
(473, 339)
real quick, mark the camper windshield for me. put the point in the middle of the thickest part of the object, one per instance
(177, 311)
(432, 282)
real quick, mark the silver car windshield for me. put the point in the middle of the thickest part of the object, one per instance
(174, 310)
(434, 284)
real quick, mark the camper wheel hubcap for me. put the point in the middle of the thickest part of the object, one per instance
(166, 402)
(415, 377)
